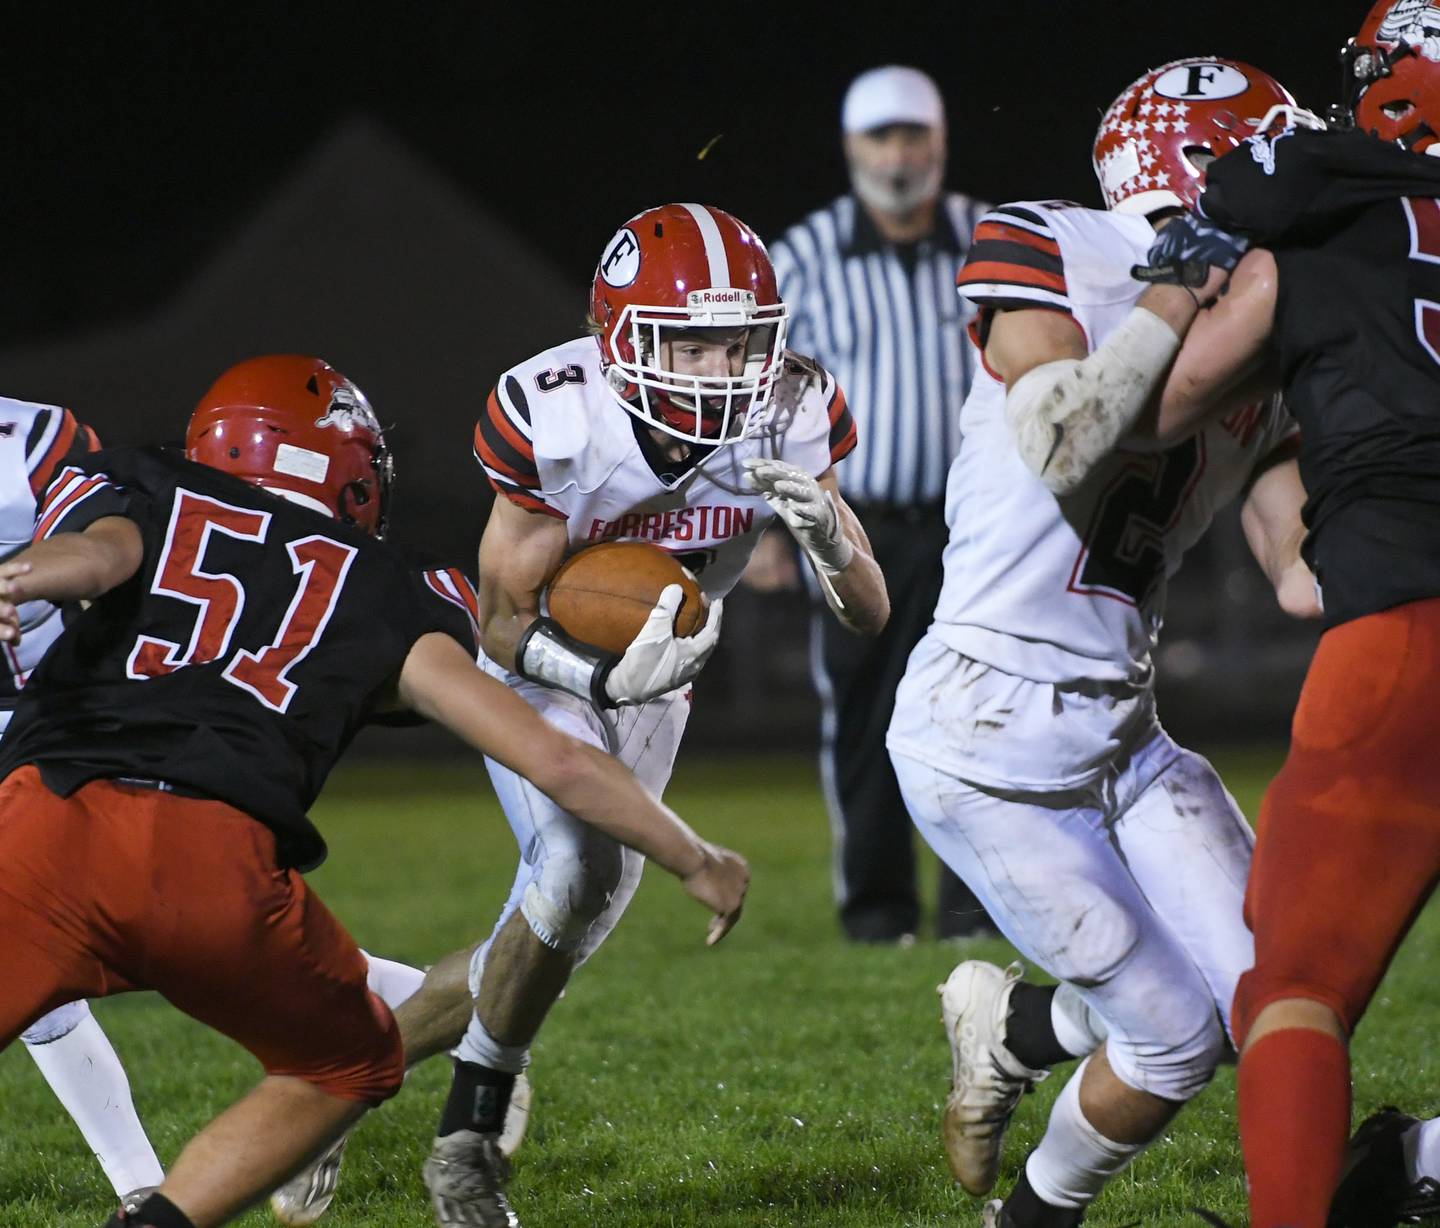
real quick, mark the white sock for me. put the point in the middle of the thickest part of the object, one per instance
(84, 1072)
(1074, 1160)
(1079, 1029)
(1421, 1145)
(390, 981)
(477, 1045)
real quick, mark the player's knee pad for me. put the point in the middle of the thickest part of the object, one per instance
(1177, 1061)
(573, 887)
(58, 1023)
(1090, 935)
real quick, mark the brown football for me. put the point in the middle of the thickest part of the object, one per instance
(603, 594)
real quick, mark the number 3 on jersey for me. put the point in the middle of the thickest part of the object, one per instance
(219, 597)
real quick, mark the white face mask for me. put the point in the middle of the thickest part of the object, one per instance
(898, 191)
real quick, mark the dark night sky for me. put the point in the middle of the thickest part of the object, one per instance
(132, 147)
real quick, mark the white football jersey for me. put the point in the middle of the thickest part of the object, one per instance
(34, 441)
(554, 440)
(1073, 588)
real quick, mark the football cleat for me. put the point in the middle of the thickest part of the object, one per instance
(307, 1195)
(987, 1080)
(131, 1202)
(1375, 1189)
(517, 1116)
(466, 1174)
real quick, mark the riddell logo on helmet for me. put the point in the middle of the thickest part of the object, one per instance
(720, 297)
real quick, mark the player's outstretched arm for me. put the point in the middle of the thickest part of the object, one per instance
(1270, 517)
(441, 683)
(1226, 361)
(832, 538)
(69, 567)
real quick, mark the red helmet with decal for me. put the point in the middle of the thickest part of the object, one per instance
(1391, 70)
(677, 269)
(1157, 138)
(296, 426)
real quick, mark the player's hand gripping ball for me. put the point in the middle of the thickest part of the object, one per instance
(603, 594)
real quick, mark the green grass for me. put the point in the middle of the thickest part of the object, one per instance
(783, 1078)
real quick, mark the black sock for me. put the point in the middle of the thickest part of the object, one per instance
(479, 1098)
(1025, 1209)
(1029, 1033)
(157, 1211)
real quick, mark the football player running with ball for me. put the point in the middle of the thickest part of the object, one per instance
(1025, 736)
(244, 621)
(681, 421)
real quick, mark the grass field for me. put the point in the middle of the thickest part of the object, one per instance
(783, 1078)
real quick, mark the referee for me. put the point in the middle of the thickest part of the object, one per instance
(870, 283)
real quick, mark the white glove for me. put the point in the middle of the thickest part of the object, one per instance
(807, 510)
(658, 661)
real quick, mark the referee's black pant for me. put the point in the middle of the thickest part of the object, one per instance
(856, 678)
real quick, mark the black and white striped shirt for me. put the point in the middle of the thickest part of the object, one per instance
(886, 321)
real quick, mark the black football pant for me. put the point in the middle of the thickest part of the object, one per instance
(856, 677)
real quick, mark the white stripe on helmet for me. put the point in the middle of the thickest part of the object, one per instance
(714, 244)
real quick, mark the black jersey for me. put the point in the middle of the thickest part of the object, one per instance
(254, 641)
(1354, 224)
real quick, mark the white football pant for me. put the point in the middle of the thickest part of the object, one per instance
(1130, 889)
(574, 882)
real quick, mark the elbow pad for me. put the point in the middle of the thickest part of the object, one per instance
(1066, 415)
(547, 654)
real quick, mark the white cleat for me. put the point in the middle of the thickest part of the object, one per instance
(517, 1117)
(987, 1080)
(466, 1175)
(995, 1216)
(307, 1195)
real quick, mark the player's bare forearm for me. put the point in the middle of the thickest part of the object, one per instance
(1225, 363)
(69, 567)
(861, 585)
(519, 552)
(441, 683)
(1270, 517)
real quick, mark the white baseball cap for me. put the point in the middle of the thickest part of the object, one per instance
(891, 95)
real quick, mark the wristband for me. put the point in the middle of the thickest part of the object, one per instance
(551, 656)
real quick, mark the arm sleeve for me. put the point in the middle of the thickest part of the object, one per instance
(57, 438)
(76, 499)
(1014, 262)
(1302, 183)
(505, 449)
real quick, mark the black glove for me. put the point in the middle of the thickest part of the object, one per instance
(1186, 249)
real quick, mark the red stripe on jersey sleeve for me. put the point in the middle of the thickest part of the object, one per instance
(492, 460)
(59, 448)
(502, 423)
(1015, 234)
(843, 433)
(62, 503)
(529, 502)
(988, 272)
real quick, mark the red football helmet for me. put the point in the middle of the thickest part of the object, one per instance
(298, 427)
(1391, 71)
(1157, 138)
(679, 268)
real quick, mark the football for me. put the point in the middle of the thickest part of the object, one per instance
(603, 594)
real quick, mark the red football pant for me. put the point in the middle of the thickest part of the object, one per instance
(1348, 852)
(1348, 846)
(119, 888)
